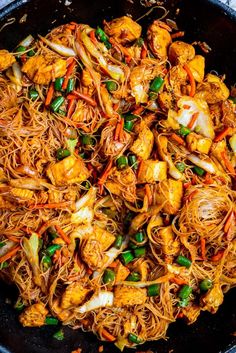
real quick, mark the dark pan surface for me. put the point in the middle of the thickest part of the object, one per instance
(202, 20)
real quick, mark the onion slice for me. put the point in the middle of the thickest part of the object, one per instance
(59, 48)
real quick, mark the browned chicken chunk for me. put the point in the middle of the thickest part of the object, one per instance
(74, 295)
(123, 29)
(180, 52)
(127, 296)
(6, 59)
(170, 194)
(159, 39)
(34, 315)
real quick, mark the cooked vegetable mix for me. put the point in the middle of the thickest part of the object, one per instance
(117, 180)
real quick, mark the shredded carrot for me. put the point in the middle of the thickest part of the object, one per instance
(68, 74)
(50, 205)
(140, 167)
(191, 80)
(191, 195)
(114, 264)
(13, 238)
(186, 185)
(100, 349)
(177, 34)
(222, 134)
(89, 271)
(116, 106)
(208, 179)
(203, 248)
(218, 256)
(177, 138)
(70, 108)
(227, 162)
(88, 99)
(186, 106)
(9, 254)
(105, 334)
(121, 134)
(178, 281)
(71, 26)
(118, 130)
(105, 174)
(193, 120)
(138, 110)
(93, 37)
(149, 194)
(144, 51)
(62, 234)
(44, 227)
(180, 315)
(49, 94)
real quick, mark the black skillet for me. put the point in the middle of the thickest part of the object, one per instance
(202, 20)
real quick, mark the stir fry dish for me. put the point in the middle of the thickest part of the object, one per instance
(117, 172)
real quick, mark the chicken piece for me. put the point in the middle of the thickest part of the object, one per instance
(180, 52)
(54, 196)
(68, 171)
(74, 295)
(198, 143)
(166, 100)
(229, 113)
(122, 183)
(217, 148)
(110, 147)
(60, 313)
(191, 313)
(213, 299)
(212, 90)
(159, 39)
(170, 193)
(148, 119)
(86, 78)
(34, 315)
(5, 204)
(6, 59)
(177, 78)
(92, 249)
(127, 296)
(152, 171)
(21, 194)
(143, 145)
(122, 272)
(197, 67)
(123, 29)
(43, 69)
(178, 270)
(170, 246)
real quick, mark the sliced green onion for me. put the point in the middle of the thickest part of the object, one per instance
(122, 162)
(62, 153)
(33, 94)
(21, 49)
(134, 277)
(47, 262)
(185, 292)
(134, 339)
(50, 251)
(31, 52)
(3, 265)
(58, 83)
(2, 244)
(83, 155)
(132, 245)
(139, 237)
(111, 86)
(51, 321)
(140, 252)
(101, 35)
(130, 117)
(59, 335)
(70, 85)
(183, 261)
(126, 257)
(156, 84)
(108, 276)
(118, 242)
(205, 285)
(61, 112)
(19, 306)
(87, 140)
(180, 166)
(55, 105)
(183, 303)
(153, 96)
(184, 131)
(133, 161)
(153, 290)
(199, 171)
(139, 42)
(128, 218)
(128, 125)
(86, 184)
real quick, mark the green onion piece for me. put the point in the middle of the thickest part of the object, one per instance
(140, 252)
(86, 184)
(55, 105)
(31, 52)
(128, 218)
(111, 86)
(185, 292)
(130, 117)
(59, 335)
(58, 83)
(50, 251)
(139, 237)
(20, 49)
(61, 112)
(153, 96)
(126, 257)
(87, 140)
(83, 155)
(180, 166)
(184, 131)
(62, 153)
(134, 277)
(183, 303)
(233, 99)
(199, 171)
(2, 244)
(122, 162)
(153, 290)
(183, 261)
(47, 262)
(139, 42)
(101, 35)
(156, 84)
(70, 85)
(33, 94)
(108, 276)
(128, 125)
(19, 306)
(40, 243)
(51, 321)
(118, 242)
(133, 161)
(134, 339)
(205, 285)
(132, 245)
(3, 265)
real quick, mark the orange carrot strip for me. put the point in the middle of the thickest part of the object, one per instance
(177, 34)
(70, 108)
(144, 52)
(49, 94)
(208, 179)
(88, 99)
(178, 281)
(177, 138)
(193, 120)
(116, 106)
(191, 80)
(148, 193)
(117, 130)
(44, 227)
(203, 248)
(140, 168)
(186, 106)
(105, 334)
(222, 134)
(50, 205)
(93, 37)
(121, 134)
(229, 221)
(13, 238)
(138, 111)
(9, 254)
(100, 349)
(114, 264)
(62, 234)
(218, 256)
(105, 174)
(68, 74)
(227, 162)
(180, 315)
(89, 271)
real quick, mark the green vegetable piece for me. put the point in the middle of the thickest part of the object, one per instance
(140, 252)
(108, 276)
(57, 103)
(62, 153)
(134, 277)
(47, 262)
(70, 85)
(71, 144)
(153, 96)
(134, 339)
(128, 125)
(19, 306)
(86, 184)
(50, 251)
(183, 303)
(31, 52)
(33, 94)
(133, 161)
(3, 265)
(51, 321)
(139, 42)
(118, 242)
(139, 237)
(21, 49)
(2, 244)
(87, 140)
(130, 117)
(61, 112)
(156, 84)
(111, 86)
(185, 292)
(205, 285)
(153, 290)
(122, 162)
(183, 261)
(126, 257)
(58, 83)
(59, 335)
(101, 35)
(52, 232)
(180, 166)
(184, 131)
(199, 171)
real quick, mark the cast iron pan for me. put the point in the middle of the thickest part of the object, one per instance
(203, 20)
